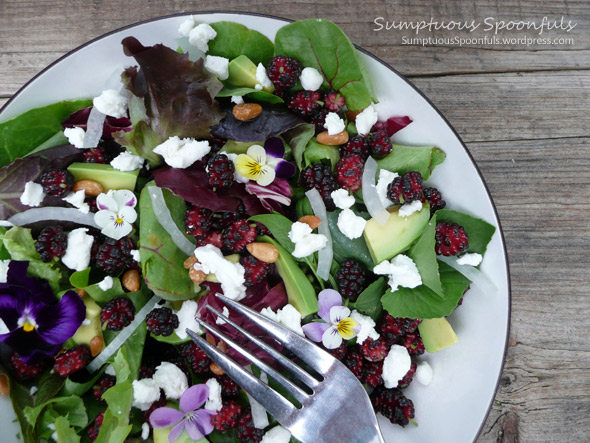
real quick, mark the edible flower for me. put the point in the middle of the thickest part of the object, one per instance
(263, 164)
(32, 322)
(337, 323)
(197, 422)
(116, 213)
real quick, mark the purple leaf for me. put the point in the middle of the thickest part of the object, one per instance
(392, 124)
(111, 124)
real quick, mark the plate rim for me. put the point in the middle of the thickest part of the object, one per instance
(386, 65)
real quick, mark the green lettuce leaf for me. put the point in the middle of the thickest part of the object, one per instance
(65, 433)
(424, 255)
(24, 133)
(72, 407)
(404, 159)
(322, 45)
(298, 138)
(233, 40)
(253, 94)
(346, 248)
(478, 231)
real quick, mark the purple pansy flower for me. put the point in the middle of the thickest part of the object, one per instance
(336, 324)
(264, 164)
(32, 323)
(197, 422)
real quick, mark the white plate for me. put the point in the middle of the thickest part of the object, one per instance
(454, 407)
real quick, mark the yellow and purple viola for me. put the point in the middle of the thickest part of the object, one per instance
(32, 321)
(336, 325)
(264, 164)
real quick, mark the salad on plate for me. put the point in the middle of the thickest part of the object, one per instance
(234, 165)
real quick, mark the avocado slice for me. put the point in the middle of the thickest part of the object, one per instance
(106, 175)
(437, 334)
(242, 73)
(161, 436)
(86, 333)
(385, 242)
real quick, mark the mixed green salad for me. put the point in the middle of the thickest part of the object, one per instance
(226, 165)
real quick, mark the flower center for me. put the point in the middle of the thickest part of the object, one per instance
(255, 168)
(27, 322)
(119, 220)
(345, 327)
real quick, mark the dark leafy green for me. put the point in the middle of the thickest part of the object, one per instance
(22, 134)
(403, 159)
(297, 138)
(322, 45)
(346, 248)
(279, 226)
(424, 255)
(316, 152)
(161, 260)
(422, 302)
(178, 97)
(20, 397)
(252, 94)
(271, 123)
(369, 301)
(479, 231)
(233, 40)
(48, 386)
(73, 388)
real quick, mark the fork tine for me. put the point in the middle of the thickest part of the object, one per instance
(278, 406)
(284, 361)
(287, 384)
(311, 354)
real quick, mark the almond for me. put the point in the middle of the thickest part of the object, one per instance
(332, 140)
(351, 115)
(311, 220)
(263, 251)
(91, 187)
(197, 277)
(189, 262)
(246, 111)
(96, 345)
(4, 386)
(81, 292)
(214, 367)
(130, 280)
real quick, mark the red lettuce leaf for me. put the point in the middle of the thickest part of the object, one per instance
(111, 124)
(393, 124)
(271, 123)
(178, 95)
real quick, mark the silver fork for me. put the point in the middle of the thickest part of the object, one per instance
(335, 407)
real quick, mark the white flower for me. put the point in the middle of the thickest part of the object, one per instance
(116, 214)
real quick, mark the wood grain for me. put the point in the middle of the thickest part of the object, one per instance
(523, 110)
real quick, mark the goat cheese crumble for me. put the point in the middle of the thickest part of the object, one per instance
(214, 400)
(76, 199)
(350, 224)
(181, 153)
(333, 123)
(365, 120)
(111, 102)
(385, 179)
(367, 327)
(186, 319)
(145, 393)
(288, 316)
(230, 275)
(106, 283)
(75, 136)
(395, 366)
(401, 270)
(311, 79)
(200, 35)
(278, 434)
(126, 161)
(262, 78)
(342, 198)
(171, 379)
(77, 256)
(305, 242)
(408, 209)
(471, 259)
(33, 194)
(424, 373)
(218, 66)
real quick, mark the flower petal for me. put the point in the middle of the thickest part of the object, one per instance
(176, 431)
(128, 214)
(346, 328)
(104, 218)
(194, 397)
(247, 167)
(124, 198)
(315, 330)
(267, 176)
(60, 321)
(192, 429)
(165, 417)
(338, 313)
(285, 169)
(331, 338)
(202, 418)
(105, 202)
(327, 299)
(17, 276)
(10, 311)
(274, 147)
(117, 231)
(258, 153)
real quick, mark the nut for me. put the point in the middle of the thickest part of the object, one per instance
(96, 345)
(332, 140)
(190, 261)
(210, 338)
(222, 346)
(197, 277)
(311, 220)
(214, 367)
(81, 292)
(246, 111)
(91, 187)
(351, 115)
(4, 386)
(263, 251)
(130, 280)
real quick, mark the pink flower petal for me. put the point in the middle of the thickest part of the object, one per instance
(194, 397)
(165, 417)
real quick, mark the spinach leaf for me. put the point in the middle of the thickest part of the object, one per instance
(253, 94)
(346, 248)
(233, 40)
(65, 433)
(316, 152)
(22, 134)
(161, 260)
(422, 302)
(478, 231)
(322, 45)
(297, 138)
(404, 159)
(21, 246)
(279, 226)
(369, 301)
(424, 255)
(21, 399)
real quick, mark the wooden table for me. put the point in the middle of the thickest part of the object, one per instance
(523, 112)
